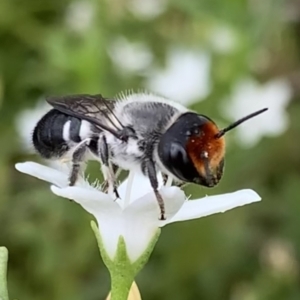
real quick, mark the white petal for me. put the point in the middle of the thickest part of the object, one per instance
(209, 205)
(54, 176)
(137, 223)
(91, 200)
(44, 173)
(106, 211)
(141, 219)
(140, 187)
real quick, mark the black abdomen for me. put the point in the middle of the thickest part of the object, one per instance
(48, 135)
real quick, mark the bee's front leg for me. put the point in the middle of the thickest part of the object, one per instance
(150, 170)
(167, 180)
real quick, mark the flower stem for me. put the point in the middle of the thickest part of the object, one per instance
(3, 273)
(120, 284)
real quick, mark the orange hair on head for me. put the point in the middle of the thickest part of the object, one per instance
(206, 141)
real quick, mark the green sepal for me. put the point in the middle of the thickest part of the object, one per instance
(3, 273)
(122, 270)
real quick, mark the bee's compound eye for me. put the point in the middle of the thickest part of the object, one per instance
(178, 154)
(176, 160)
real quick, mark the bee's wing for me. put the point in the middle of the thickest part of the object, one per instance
(92, 108)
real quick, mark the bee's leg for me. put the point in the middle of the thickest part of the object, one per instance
(180, 184)
(77, 160)
(116, 171)
(167, 180)
(107, 167)
(110, 183)
(150, 169)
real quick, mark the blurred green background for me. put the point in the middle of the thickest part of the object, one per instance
(223, 58)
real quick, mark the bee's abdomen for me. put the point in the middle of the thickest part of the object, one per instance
(56, 133)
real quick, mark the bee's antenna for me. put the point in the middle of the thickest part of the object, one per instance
(238, 122)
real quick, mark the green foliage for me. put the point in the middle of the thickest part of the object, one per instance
(53, 253)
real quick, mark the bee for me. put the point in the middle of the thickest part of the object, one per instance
(140, 132)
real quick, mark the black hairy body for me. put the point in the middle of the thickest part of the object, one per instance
(48, 137)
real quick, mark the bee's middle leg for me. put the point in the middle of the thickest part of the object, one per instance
(107, 168)
(116, 171)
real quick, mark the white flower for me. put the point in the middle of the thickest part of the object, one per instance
(147, 9)
(80, 15)
(249, 96)
(136, 216)
(223, 39)
(128, 56)
(186, 78)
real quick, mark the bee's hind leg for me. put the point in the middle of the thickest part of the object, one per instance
(77, 160)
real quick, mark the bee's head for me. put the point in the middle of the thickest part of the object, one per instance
(193, 148)
(191, 152)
